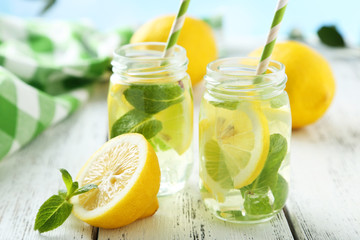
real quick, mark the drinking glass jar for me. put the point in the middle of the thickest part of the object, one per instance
(244, 140)
(151, 95)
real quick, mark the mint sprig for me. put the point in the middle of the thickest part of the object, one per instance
(257, 201)
(54, 211)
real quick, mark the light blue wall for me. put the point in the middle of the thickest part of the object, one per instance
(242, 17)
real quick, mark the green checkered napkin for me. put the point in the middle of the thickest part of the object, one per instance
(46, 68)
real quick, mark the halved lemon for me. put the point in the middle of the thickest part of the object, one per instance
(243, 139)
(126, 171)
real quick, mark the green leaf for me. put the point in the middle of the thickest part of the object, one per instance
(62, 193)
(330, 36)
(48, 5)
(277, 153)
(84, 189)
(74, 187)
(136, 121)
(159, 145)
(125, 34)
(52, 214)
(215, 22)
(280, 192)
(256, 198)
(67, 179)
(279, 101)
(257, 202)
(231, 105)
(152, 99)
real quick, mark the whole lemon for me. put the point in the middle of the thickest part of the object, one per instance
(311, 84)
(196, 37)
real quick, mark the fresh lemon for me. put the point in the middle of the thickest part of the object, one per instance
(311, 84)
(196, 37)
(126, 171)
(243, 139)
(177, 123)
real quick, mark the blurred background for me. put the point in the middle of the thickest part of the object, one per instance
(242, 19)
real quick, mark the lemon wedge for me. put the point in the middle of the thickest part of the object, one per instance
(126, 171)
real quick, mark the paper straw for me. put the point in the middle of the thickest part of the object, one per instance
(271, 39)
(176, 28)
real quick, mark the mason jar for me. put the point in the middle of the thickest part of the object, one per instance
(151, 95)
(244, 140)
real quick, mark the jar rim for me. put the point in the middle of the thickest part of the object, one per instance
(236, 76)
(212, 67)
(120, 53)
(144, 62)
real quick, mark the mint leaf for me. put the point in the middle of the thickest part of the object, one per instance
(84, 189)
(159, 145)
(277, 153)
(280, 192)
(48, 5)
(52, 214)
(330, 36)
(231, 105)
(256, 198)
(136, 121)
(66, 178)
(74, 187)
(62, 193)
(152, 99)
(279, 101)
(257, 202)
(215, 22)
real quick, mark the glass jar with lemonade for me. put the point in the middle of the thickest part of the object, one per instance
(244, 139)
(151, 95)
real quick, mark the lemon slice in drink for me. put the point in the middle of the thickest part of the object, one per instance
(243, 139)
(177, 125)
(127, 173)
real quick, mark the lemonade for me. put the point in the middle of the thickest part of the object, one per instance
(244, 136)
(153, 97)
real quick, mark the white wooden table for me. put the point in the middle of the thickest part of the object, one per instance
(325, 187)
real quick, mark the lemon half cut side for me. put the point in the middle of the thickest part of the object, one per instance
(126, 171)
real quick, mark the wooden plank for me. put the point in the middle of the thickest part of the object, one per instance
(30, 176)
(183, 215)
(325, 163)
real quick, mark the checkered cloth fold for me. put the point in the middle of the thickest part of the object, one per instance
(46, 70)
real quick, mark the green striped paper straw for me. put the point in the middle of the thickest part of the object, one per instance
(271, 39)
(176, 28)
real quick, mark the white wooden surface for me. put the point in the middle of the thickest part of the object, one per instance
(325, 191)
(323, 204)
